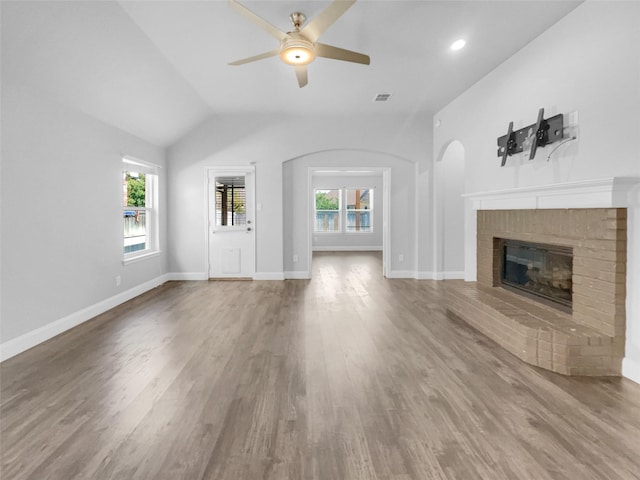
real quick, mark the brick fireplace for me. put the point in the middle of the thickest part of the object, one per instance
(589, 339)
(598, 239)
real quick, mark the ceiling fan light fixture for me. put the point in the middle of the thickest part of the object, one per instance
(297, 51)
(300, 46)
(458, 44)
(297, 56)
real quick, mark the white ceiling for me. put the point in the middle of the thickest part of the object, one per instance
(159, 68)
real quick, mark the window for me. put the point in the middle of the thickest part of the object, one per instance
(327, 211)
(356, 209)
(230, 201)
(139, 209)
(359, 211)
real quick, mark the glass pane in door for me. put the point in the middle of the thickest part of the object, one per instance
(230, 201)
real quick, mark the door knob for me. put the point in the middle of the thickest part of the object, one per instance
(248, 229)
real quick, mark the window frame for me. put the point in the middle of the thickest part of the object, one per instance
(358, 210)
(242, 220)
(152, 230)
(338, 211)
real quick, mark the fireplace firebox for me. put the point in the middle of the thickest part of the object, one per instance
(538, 270)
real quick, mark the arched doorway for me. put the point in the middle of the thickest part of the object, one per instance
(298, 205)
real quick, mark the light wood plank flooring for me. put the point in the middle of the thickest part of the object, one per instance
(346, 376)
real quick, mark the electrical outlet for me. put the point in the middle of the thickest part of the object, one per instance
(118, 280)
(401, 257)
(295, 257)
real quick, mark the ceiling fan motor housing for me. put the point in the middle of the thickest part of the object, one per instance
(297, 50)
(297, 19)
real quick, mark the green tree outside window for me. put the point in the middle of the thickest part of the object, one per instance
(136, 189)
(323, 202)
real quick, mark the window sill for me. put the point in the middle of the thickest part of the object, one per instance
(143, 256)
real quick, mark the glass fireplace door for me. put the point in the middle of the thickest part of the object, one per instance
(544, 271)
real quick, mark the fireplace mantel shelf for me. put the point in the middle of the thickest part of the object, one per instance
(615, 192)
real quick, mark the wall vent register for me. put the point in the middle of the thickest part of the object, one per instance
(382, 97)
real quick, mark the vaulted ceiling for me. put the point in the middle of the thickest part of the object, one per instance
(157, 69)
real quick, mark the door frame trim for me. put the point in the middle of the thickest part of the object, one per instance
(226, 169)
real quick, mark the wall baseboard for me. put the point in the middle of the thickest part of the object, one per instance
(297, 275)
(347, 248)
(188, 276)
(198, 276)
(631, 369)
(425, 276)
(269, 276)
(35, 337)
(453, 275)
(401, 274)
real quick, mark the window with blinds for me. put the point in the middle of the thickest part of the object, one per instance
(230, 201)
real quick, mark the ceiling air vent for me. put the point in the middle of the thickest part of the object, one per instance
(382, 97)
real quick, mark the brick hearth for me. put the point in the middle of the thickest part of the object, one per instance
(588, 341)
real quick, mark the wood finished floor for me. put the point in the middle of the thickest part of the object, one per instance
(346, 376)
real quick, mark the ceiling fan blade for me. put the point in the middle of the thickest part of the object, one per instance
(259, 21)
(272, 53)
(301, 73)
(329, 51)
(326, 18)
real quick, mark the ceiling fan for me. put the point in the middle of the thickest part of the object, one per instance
(300, 46)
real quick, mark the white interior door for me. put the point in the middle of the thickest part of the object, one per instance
(231, 223)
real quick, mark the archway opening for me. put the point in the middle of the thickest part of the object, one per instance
(342, 169)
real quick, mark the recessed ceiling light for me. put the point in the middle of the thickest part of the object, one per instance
(458, 45)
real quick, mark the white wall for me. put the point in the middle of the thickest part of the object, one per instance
(588, 62)
(270, 140)
(352, 241)
(62, 218)
(449, 212)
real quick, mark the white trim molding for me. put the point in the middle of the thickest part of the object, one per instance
(188, 276)
(297, 275)
(616, 192)
(269, 276)
(35, 337)
(448, 275)
(402, 274)
(348, 248)
(452, 275)
(427, 275)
